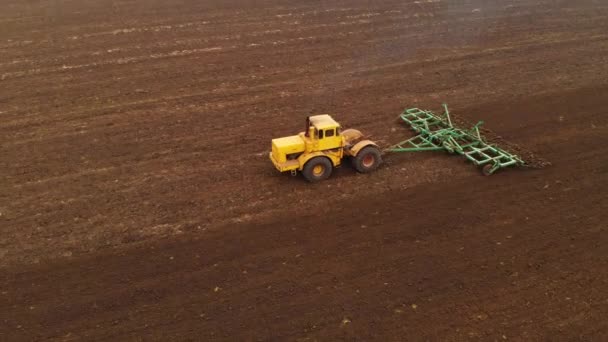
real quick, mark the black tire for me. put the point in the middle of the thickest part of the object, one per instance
(367, 160)
(317, 169)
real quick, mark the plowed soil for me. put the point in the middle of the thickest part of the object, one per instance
(137, 200)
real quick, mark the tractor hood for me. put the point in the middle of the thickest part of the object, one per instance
(288, 145)
(282, 147)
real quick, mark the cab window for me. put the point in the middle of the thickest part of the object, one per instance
(329, 133)
(320, 134)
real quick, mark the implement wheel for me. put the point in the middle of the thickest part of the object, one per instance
(487, 169)
(367, 160)
(317, 169)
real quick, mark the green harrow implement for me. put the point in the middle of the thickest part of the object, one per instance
(437, 133)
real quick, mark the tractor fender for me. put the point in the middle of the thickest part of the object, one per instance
(351, 135)
(359, 146)
(304, 158)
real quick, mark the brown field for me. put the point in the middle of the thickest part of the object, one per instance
(137, 200)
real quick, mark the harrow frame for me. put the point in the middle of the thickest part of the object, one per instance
(437, 133)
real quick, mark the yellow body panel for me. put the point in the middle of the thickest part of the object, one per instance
(283, 147)
(284, 166)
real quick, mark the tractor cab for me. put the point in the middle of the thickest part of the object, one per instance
(323, 131)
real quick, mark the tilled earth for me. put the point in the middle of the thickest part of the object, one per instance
(137, 199)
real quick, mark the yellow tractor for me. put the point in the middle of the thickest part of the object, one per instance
(322, 147)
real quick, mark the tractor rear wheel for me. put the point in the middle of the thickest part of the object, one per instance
(367, 160)
(317, 169)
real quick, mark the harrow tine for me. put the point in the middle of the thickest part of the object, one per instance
(447, 115)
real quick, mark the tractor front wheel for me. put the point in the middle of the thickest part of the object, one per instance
(367, 160)
(317, 169)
